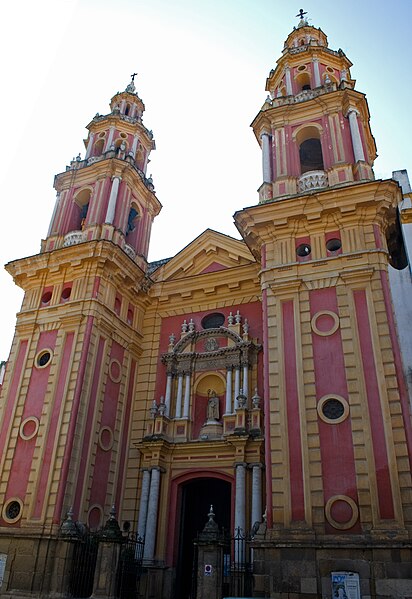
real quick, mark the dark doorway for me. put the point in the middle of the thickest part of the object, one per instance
(196, 497)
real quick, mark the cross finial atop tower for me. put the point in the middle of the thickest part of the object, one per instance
(131, 88)
(301, 13)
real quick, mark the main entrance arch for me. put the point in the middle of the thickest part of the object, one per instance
(195, 496)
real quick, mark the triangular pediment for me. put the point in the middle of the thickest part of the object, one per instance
(208, 253)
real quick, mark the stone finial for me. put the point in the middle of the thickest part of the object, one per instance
(162, 406)
(230, 319)
(172, 339)
(191, 325)
(68, 530)
(184, 326)
(246, 327)
(154, 409)
(211, 529)
(256, 399)
(131, 87)
(241, 399)
(238, 317)
(111, 530)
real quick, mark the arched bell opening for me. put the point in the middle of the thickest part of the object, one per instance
(98, 147)
(303, 82)
(396, 246)
(310, 155)
(80, 209)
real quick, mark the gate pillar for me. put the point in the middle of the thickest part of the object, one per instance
(209, 572)
(108, 554)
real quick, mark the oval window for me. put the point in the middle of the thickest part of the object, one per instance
(213, 321)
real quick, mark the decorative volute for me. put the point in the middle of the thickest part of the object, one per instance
(107, 195)
(314, 126)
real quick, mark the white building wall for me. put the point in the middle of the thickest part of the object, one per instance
(401, 287)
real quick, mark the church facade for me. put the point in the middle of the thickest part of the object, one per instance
(267, 376)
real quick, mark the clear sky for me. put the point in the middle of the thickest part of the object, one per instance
(202, 66)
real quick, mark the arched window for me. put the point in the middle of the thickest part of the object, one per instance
(127, 109)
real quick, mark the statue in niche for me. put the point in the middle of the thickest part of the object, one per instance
(212, 413)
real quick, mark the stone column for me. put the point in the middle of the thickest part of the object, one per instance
(228, 406)
(56, 204)
(240, 497)
(237, 385)
(316, 72)
(144, 500)
(109, 139)
(186, 402)
(289, 91)
(256, 493)
(240, 509)
(245, 387)
(178, 413)
(111, 208)
(266, 166)
(134, 145)
(168, 393)
(355, 135)
(150, 538)
(89, 146)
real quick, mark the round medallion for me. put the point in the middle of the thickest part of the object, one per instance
(106, 438)
(341, 512)
(115, 371)
(29, 428)
(324, 323)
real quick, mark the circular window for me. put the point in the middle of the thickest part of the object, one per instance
(12, 510)
(46, 297)
(213, 321)
(66, 293)
(303, 250)
(302, 67)
(333, 409)
(333, 245)
(43, 358)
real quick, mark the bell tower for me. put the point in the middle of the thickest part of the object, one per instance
(338, 439)
(107, 195)
(314, 126)
(68, 390)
